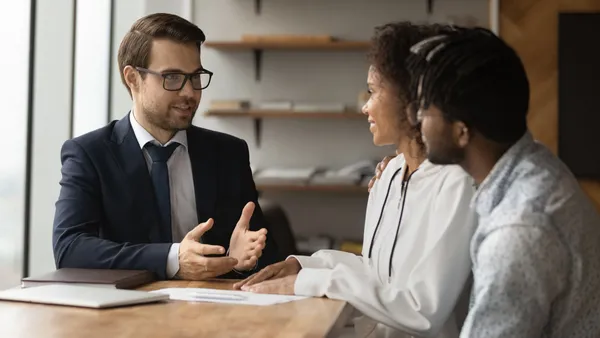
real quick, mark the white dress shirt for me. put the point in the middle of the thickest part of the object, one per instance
(183, 201)
(424, 232)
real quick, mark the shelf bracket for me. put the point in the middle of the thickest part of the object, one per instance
(429, 6)
(257, 6)
(257, 131)
(258, 55)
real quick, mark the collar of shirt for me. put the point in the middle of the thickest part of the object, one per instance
(143, 136)
(493, 188)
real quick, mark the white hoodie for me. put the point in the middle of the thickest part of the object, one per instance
(429, 253)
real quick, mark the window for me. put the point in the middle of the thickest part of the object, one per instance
(14, 116)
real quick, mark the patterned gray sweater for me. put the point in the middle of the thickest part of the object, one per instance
(536, 252)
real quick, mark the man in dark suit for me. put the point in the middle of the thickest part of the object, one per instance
(133, 192)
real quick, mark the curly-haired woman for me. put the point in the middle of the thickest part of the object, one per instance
(415, 262)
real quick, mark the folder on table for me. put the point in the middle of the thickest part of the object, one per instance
(105, 278)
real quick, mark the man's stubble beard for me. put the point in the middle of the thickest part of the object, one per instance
(167, 121)
(445, 155)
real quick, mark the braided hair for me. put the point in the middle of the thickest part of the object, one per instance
(473, 76)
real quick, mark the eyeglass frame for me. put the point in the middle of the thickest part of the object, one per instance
(187, 76)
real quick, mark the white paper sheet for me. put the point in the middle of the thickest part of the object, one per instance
(226, 296)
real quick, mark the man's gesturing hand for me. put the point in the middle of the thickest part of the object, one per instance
(246, 246)
(192, 263)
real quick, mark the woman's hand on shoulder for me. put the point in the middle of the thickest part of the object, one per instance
(379, 170)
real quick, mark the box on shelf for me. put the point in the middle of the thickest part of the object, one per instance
(350, 246)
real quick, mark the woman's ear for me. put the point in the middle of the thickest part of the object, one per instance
(131, 77)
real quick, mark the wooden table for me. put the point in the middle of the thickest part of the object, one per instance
(315, 317)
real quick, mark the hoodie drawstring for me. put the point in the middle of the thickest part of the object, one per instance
(403, 191)
(382, 209)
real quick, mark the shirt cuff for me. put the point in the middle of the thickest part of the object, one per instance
(173, 261)
(310, 262)
(312, 282)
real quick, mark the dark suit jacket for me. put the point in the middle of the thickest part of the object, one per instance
(106, 215)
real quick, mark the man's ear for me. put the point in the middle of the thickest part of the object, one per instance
(131, 77)
(462, 134)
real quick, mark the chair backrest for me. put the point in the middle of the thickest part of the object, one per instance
(279, 227)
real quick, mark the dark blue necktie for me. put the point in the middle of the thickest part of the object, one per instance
(160, 179)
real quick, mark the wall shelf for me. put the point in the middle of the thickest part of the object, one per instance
(259, 115)
(258, 6)
(285, 114)
(257, 47)
(335, 45)
(312, 188)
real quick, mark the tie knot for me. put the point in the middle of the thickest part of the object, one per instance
(159, 153)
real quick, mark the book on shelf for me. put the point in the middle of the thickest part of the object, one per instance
(217, 105)
(281, 106)
(321, 107)
(333, 178)
(285, 176)
(274, 105)
(349, 175)
(104, 278)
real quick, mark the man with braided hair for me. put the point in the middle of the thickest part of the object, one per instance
(536, 252)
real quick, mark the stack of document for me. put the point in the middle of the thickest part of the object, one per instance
(285, 176)
(321, 107)
(334, 177)
(349, 175)
(275, 105)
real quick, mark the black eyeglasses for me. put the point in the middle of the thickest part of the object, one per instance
(174, 81)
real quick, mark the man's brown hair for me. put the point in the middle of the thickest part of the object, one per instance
(137, 44)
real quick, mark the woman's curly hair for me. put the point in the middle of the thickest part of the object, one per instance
(390, 48)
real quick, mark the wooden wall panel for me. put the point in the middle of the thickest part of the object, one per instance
(531, 27)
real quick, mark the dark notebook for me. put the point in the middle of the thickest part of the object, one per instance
(117, 279)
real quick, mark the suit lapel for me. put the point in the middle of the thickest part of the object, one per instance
(204, 170)
(127, 151)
